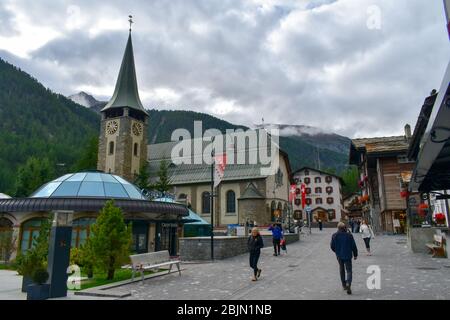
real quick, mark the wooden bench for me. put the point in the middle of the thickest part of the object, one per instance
(438, 247)
(151, 260)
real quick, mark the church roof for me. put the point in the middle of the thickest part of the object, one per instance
(126, 93)
(200, 172)
(251, 192)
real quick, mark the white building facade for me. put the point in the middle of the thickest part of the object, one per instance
(323, 195)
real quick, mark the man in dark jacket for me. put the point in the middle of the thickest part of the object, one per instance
(255, 244)
(344, 246)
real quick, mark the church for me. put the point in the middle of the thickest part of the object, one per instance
(122, 151)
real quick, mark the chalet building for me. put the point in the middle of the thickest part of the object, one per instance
(323, 195)
(245, 194)
(352, 206)
(384, 167)
(428, 194)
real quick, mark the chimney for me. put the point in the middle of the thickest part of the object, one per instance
(407, 132)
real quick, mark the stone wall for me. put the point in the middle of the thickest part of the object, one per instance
(199, 248)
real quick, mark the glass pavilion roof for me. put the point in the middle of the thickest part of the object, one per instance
(89, 184)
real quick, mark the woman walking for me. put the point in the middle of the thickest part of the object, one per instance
(255, 243)
(367, 234)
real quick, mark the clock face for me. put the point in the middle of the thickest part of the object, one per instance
(111, 127)
(137, 129)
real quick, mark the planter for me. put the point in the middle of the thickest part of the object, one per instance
(38, 291)
(26, 281)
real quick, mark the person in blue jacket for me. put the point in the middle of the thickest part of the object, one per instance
(277, 235)
(344, 246)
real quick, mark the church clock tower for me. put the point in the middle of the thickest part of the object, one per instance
(123, 132)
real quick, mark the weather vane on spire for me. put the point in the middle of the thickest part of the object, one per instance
(130, 21)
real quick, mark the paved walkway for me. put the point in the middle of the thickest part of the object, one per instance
(308, 271)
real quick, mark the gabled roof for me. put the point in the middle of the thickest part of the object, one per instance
(251, 192)
(126, 93)
(186, 173)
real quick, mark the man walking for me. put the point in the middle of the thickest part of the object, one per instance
(277, 235)
(344, 246)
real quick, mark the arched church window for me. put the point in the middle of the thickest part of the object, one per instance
(231, 201)
(135, 149)
(206, 203)
(111, 147)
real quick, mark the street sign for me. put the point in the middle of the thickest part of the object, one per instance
(308, 209)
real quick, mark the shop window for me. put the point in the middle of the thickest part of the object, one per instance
(81, 229)
(30, 232)
(206, 202)
(231, 201)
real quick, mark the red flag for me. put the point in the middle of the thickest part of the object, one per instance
(292, 192)
(220, 162)
(303, 190)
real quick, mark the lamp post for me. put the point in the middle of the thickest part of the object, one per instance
(212, 198)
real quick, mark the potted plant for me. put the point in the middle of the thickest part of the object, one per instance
(39, 290)
(26, 264)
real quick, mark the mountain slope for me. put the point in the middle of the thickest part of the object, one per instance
(38, 122)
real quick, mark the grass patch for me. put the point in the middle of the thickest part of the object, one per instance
(4, 266)
(100, 279)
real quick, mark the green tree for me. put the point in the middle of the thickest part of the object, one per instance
(88, 159)
(110, 240)
(350, 177)
(163, 178)
(142, 179)
(36, 257)
(32, 175)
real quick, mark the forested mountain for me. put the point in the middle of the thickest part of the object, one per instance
(44, 133)
(34, 121)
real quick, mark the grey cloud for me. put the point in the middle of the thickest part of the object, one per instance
(222, 50)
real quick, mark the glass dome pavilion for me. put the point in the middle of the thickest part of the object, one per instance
(89, 184)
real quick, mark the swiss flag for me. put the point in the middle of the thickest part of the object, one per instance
(220, 162)
(303, 191)
(292, 192)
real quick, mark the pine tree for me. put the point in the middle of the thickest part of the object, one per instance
(110, 240)
(163, 182)
(142, 179)
(32, 175)
(88, 160)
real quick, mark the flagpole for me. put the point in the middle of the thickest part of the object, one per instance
(212, 198)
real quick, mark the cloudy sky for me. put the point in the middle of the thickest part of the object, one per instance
(355, 67)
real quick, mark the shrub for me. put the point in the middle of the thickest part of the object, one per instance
(40, 276)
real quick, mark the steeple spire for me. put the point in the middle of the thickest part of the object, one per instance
(126, 93)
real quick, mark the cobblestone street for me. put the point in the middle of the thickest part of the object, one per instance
(308, 271)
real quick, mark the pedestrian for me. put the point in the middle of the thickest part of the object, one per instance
(320, 224)
(255, 243)
(357, 226)
(352, 225)
(277, 235)
(344, 246)
(367, 234)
